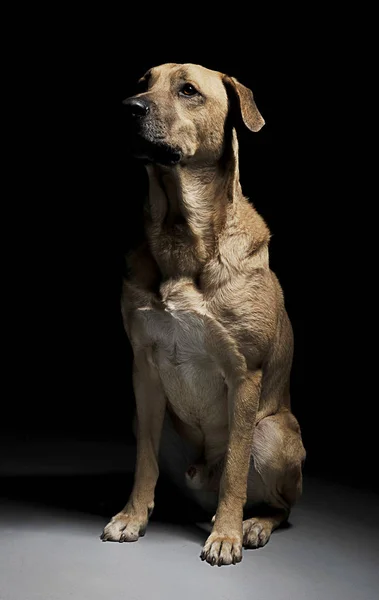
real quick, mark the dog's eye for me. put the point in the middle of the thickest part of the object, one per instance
(188, 90)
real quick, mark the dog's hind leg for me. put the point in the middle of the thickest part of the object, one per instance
(275, 477)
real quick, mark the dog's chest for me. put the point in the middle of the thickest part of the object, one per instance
(176, 335)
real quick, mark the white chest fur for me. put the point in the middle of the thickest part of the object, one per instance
(193, 382)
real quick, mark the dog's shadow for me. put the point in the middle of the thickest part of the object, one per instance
(105, 495)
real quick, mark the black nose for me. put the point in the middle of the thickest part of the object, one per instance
(137, 107)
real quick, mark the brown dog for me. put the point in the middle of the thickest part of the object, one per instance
(212, 341)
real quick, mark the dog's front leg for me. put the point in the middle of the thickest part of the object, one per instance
(131, 522)
(224, 545)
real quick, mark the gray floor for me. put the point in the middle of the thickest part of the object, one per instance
(330, 552)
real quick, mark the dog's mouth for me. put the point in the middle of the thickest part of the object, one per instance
(148, 144)
(156, 151)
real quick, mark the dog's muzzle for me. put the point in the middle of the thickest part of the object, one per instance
(136, 107)
(146, 135)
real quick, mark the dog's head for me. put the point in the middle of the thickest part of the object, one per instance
(181, 111)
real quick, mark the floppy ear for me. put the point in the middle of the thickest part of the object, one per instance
(243, 98)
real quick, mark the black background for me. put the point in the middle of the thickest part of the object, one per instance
(77, 199)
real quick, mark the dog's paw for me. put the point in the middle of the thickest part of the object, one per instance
(124, 528)
(222, 549)
(256, 533)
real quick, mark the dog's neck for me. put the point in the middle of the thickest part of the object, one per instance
(195, 192)
(186, 194)
(188, 209)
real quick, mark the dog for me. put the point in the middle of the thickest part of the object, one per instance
(205, 316)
